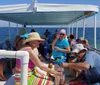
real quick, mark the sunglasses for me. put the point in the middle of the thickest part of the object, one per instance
(75, 54)
(62, 34)
(38, 41)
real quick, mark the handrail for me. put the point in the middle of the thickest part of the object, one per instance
(94, 49)
(24, 56)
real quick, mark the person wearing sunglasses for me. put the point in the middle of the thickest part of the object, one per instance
(31, 42)
(89, 64)
(60, 47)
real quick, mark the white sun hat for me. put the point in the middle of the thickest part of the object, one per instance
(62, 31)
(77, 48)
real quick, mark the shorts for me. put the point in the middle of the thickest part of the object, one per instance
(60, 60)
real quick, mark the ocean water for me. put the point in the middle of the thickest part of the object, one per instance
(10, 33)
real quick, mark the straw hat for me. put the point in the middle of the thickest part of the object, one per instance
(33, 36)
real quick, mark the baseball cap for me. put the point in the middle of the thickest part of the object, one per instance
(77, 48)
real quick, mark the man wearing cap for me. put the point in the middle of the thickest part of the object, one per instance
(89, 64)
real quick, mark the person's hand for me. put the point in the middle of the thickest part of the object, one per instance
(57, 36)
(58, 73)
(63, 65)
(52, 47)
(56, 48)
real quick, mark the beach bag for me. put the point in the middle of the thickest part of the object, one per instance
(92, 75)
(34, 78)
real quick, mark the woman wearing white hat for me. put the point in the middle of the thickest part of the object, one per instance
(60, 47)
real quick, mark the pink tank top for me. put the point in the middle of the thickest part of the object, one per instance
(31, 65)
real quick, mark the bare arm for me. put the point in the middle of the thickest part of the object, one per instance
(54, 41)
(71, 44)
(80, 66)
(41, 65)
(75, 72)
(67, 49)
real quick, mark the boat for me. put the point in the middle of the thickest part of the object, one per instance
(42, 14)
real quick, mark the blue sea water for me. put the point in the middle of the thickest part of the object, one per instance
(6, 33)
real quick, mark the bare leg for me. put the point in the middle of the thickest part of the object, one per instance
(2, 67)
(57, 78)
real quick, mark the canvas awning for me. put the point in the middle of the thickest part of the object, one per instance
(46, 14)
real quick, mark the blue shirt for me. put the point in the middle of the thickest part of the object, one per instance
(61, 44)
(50, 38)
(46, 47)
(93, 59)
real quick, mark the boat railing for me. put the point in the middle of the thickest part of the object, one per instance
(94, 49)
(24, 56)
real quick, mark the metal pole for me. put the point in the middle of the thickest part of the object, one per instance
(34, 5)
(17, 28)
(69, 30)
(76, 30)
(72, 28)
(84, 27)
(9, 30)
(95, 45)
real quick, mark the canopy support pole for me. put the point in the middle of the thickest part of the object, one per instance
(69, 30)
(17, 28)
(72, 28)
(76, 30)
(84, 27)
(9, 31)
(34, 5)
(95, 31)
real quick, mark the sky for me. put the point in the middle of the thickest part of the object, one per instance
(89, 21)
